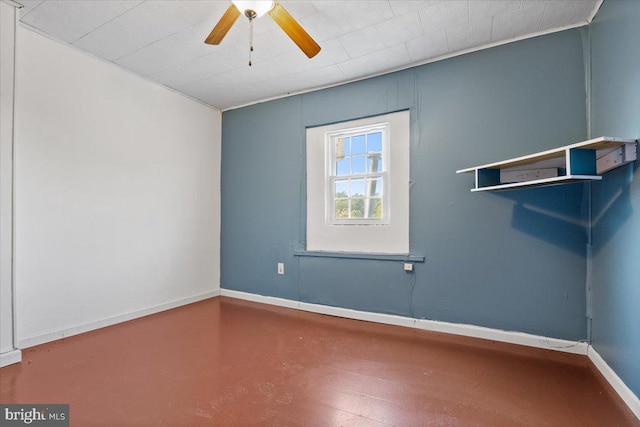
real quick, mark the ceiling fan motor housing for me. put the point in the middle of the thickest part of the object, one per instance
(253, 9)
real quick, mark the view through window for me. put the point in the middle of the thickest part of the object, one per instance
(357, 175)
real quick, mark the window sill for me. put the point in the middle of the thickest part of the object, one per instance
(361, 255)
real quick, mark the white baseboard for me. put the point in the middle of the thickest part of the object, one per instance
(10, 357)
(79, 329)
(430, 325)
(616, 382)
(281, 302)
(511, 337)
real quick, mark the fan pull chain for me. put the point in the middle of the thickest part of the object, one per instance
(250, 39)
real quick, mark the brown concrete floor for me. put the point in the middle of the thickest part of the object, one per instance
(230, 362)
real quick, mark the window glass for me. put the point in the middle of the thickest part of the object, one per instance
(357, 179)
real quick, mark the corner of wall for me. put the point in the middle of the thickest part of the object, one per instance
(632, 401)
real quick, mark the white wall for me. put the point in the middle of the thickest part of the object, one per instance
(117, 194)
(7, 47)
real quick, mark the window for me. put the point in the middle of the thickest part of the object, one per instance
(357, 175)
(358, 185)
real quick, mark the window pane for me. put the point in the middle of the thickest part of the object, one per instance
(339, 148)
(374, 187)
(357, 208)
(357, 174)
(375, 204)
(358, 164)
(342, 167)
(342, 209)
(357, 144)
(374, 162)
(374, 142)
(342, 189)
(357, 187)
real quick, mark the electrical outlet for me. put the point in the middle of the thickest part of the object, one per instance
(281, 268)
(408, 266)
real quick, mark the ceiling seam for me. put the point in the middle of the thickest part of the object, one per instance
(105, 23)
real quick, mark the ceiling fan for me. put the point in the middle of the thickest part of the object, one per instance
(255, 9)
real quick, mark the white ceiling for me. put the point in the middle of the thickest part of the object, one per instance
(163, 40)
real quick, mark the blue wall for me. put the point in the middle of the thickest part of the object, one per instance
(615, 111)
(512, 260)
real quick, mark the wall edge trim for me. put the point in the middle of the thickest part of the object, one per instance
(630, 399)
(473, 331)
(10, 357)
(113, 320)
(18, 5)
(411, 65)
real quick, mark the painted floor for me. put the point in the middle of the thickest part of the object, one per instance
(229, 362)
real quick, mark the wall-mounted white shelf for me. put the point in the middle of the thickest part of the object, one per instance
(583, 161)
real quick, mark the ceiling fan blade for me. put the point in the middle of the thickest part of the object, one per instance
(223, 26)
(290, 26)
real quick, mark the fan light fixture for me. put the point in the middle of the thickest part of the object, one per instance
(258, 7)
(255, 9)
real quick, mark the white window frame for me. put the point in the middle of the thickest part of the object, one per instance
(389, 236)
(331, 174)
